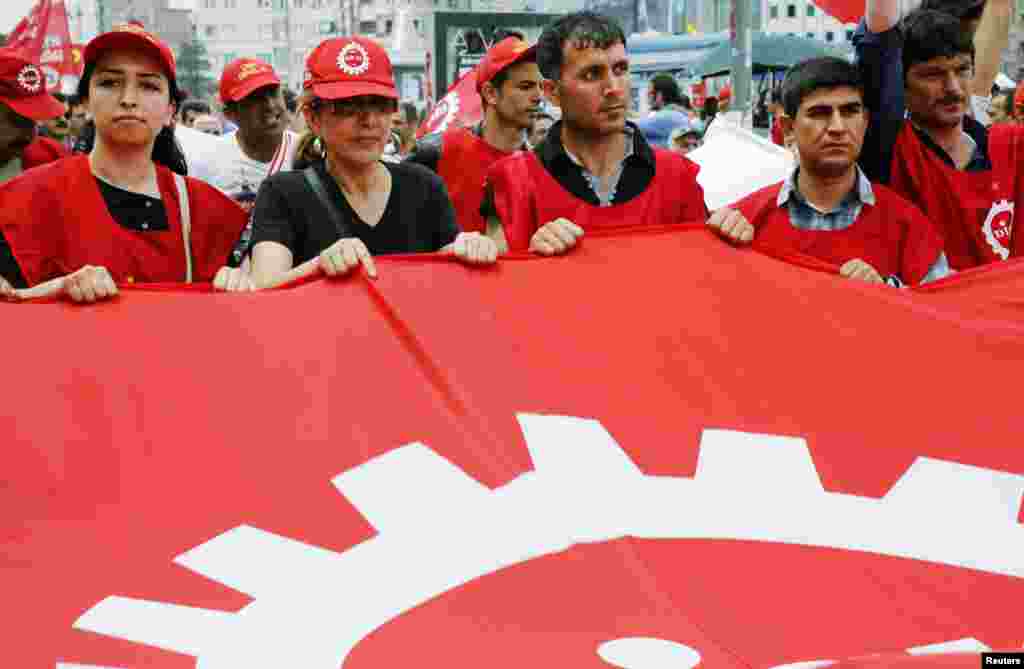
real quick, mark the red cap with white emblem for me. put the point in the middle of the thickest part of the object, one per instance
(23, 88)
(347, 67)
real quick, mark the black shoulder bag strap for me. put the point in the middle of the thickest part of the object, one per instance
(317, 184)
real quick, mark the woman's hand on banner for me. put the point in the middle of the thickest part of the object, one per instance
(345, 255)
(473, 248)
(233, 280)
(556, 237)
(732, 225)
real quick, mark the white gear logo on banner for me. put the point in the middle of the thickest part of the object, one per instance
(353, 59)
(584, 488)
(30, 78)
(444, 113)
(998, 231)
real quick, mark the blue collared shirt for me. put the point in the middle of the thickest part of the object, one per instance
(805, 216)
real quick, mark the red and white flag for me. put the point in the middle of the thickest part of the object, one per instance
(657, 452)
(847, 11)
(44, 37)
(459, 107)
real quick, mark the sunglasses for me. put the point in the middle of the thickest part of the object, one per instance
(357, 106)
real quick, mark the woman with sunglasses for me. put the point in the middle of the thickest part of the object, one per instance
(124, 212)
(350, 206)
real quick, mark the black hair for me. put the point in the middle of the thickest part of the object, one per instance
(194, 106)
(166, 150)
(776, 96)
(963, 10)
(710, 109)
(931, 34)
(668, 87)
(409, 112)
(585, 29)
(291, 100)
(811, 75)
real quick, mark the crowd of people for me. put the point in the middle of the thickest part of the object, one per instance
(898, 177)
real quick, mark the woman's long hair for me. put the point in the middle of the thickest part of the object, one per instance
(166, 150)
(310, 149)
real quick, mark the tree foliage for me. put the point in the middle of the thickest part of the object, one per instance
(194, 73)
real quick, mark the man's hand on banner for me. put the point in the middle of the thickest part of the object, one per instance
(345, 255)
(556, 237)
(7, 291)
(732, 225)
(861, 271)
(473, 248)
(233, 280)
(89, 284)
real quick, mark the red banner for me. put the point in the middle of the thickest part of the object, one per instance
(459, 107)
(44, 38)
(847, 11)
(658, 451)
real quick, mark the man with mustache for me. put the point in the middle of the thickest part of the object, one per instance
(238, 163)
(917, 80)
(508, 82)
(594, 169)
(827, 208)
(24, 102)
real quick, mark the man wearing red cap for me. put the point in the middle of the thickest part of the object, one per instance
(237, 164)
(24, 102)
(508, 82)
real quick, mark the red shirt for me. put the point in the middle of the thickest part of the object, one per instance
(465, 159)
(69, 227)
(526, 197)
(891, 235)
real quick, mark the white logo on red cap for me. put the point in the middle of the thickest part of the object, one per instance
(353, 59)
(30, 79)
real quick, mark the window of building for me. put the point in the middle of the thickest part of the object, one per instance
(266, 31)
(830, 36)
(263, 4)
(849, 35)
(453, 4)
(316, 4)
(210, 31)
(773, 12)
(367, 27)
(810, 9)
(791, 11)
(387, 26)
(810, 35)
(298, 4)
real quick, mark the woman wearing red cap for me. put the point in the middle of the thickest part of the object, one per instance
(350, 206)
(123, 213)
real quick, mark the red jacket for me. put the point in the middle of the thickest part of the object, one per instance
(891, 235)
(56, 221)
(526, 197)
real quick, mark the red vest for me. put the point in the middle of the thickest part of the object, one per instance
(465, 159)
(56, 221)
(526, 197)
(973, 211)
(891, 235)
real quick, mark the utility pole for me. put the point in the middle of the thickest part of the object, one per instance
(742, 56)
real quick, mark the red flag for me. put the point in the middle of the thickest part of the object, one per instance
(656, 447)
(847, 11)
(459, 107)
(45, 38)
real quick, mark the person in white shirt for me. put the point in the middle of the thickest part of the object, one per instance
(237, 164)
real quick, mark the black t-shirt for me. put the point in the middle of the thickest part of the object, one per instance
(418, 218)
(134, 211)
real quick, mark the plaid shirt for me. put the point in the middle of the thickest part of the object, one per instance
(803, 215)
(607, 197)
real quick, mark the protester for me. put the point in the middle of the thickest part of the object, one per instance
(1001, 107)
(351, 206)
(594, 169)
(669, 111)
(78, 118)
(724, 99)
(962, 178)
(24, 102)
(508, 82)
(192, 109)
(296, 121)
(710, 110)
(686, 138)
(542, 122)
(827, 208)
(58, 128)
(776, 110)
(119, 214)
(237, 164)
(209, 124)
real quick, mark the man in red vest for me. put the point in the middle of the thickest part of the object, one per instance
(921, 141)
(594, 169)
(508, 82)
(23, 103)
(827, 208)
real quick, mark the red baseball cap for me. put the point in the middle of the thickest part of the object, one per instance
(243, 76)
(725, 93)
(23, 88)
(505, 53)
(347, 67)
(131, 36)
